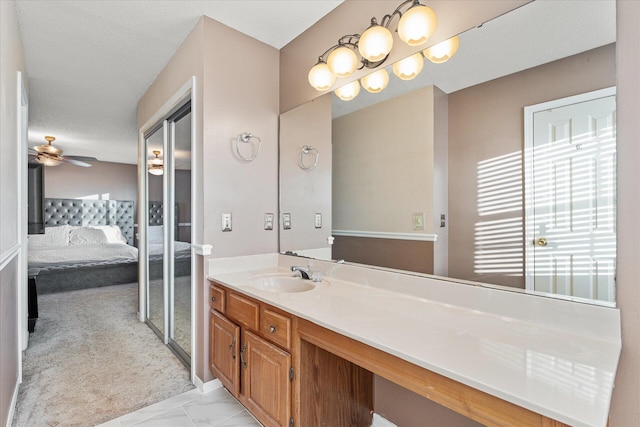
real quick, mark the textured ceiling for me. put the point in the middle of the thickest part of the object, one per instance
(89, 62)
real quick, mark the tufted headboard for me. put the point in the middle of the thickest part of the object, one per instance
(91, 212)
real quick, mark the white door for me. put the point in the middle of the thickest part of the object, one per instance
(570, 191)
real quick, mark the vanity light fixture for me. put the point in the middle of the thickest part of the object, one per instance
(443, 51)
(155, 166)
(375, 82)
(348, 91)
(409, 68)
(371, 49)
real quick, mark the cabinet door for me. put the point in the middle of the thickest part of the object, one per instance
(266, 387)
(223, 352)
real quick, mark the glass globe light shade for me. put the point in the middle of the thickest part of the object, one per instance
(348, 91)
(320, 77)
(342, 61)
(443, 51)
(47, 161)
(375, 82)
(409, 68)
(375, 43)
(417, 24)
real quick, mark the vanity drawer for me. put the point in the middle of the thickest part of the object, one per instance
(276, 327)
(243, 310)
(216, 298)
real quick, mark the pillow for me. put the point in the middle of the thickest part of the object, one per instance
(113, 233)
(52, 237)
(87, 236)
(154, 234)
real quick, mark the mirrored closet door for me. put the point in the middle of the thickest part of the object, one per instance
(168, 235)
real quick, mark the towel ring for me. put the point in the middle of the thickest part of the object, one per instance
(306, 150)
(246, 137)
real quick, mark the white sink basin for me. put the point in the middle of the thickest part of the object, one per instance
(281, 283)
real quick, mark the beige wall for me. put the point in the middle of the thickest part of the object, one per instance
(353, 16)
(625, 410)
(12, 170)
(106, 180)
(383, 165)
(486, 122)
(232, 96)
(303, 193)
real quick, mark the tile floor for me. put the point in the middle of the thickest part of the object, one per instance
(215, 408)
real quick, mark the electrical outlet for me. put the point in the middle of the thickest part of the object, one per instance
(286, 221)
(268, 221)
(418, 221)
(443, 221)
(226, 222)
(318, 220)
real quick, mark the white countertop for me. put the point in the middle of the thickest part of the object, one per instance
(560, 372)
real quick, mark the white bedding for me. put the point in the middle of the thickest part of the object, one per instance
(83, 253)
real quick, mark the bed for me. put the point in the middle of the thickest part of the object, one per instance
(87, 243)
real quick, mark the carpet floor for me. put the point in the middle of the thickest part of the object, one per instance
(90, 360)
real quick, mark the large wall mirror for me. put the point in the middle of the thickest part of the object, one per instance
(433, 175)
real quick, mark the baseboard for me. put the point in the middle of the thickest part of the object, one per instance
(206, 387)
(12, 408)
(379, 421)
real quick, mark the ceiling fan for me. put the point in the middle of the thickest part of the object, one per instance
(49, 155)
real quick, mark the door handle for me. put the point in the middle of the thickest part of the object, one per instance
(542, 241)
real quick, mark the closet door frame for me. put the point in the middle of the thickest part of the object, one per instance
(182, 96)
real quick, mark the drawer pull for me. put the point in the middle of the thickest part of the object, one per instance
(272, 329)
(213, 299)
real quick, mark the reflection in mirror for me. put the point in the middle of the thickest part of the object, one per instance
(428, 175)
(155, 242)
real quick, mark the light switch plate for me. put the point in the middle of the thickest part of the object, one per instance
(268, 221)
(226, 222)
(318, 220)
(418, 221)
(286, 221)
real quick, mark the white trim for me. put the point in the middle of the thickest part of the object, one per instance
(529, 111)
(425, 237)
(203, 250)
(379, 421)
(14, 402)
(208, 386)
(8, 255)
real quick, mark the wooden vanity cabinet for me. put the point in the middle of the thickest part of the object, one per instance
(250, 354)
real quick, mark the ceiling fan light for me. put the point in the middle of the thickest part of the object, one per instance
(375, 43)
(342, 61)
(156, 170)
(320, 77)
(409, 68)
(417, 24)
(155, 166)
(375, 82)
(443, 51)
(47, 161)
(348, 91)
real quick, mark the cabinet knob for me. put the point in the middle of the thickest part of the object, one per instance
(272, 329)
(213, 299)
(542, 241)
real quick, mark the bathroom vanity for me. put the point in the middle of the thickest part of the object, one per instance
(302, 353)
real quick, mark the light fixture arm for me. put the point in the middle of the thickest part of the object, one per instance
(386, 19)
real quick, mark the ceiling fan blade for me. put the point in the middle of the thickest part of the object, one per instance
(82, 158)
(32, 151)
(76, 162)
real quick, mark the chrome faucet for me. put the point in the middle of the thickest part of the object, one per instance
(305, 272)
